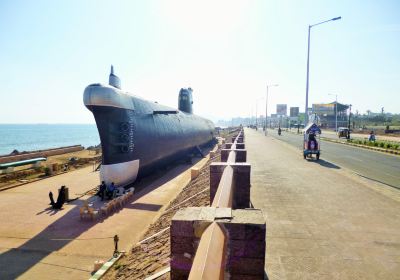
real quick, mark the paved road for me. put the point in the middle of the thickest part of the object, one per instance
(322, 222)
(376, 166)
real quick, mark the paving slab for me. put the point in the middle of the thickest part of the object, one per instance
(39, 243)
(323, 222)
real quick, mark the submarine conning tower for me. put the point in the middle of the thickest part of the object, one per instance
(113, 80)
(185, 100)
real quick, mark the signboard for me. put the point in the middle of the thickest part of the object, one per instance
(281, 109)
(294, 112)
(324, 109)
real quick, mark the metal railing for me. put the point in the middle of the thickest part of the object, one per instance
(209, 260)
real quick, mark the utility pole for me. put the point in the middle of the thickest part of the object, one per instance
(348, 134)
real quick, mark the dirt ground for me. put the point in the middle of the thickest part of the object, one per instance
(27, 174)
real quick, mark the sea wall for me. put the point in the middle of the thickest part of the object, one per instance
(41, 153)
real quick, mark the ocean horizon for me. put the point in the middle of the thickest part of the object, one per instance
(31, 137)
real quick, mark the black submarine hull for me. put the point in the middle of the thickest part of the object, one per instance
(137, 136)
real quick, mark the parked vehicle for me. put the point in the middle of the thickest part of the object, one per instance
(343, 132)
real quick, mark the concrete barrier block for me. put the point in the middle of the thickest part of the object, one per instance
(242, 186)
(225, 154)
(241, 182)
(228, 145)
(246, 266)
(245, 244)
(240, 146)
(216, 170)
(187, 225)
(194, 173)
(241, 154)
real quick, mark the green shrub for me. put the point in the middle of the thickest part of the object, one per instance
(388, 145)
(395, 146)
(48, 171)
(376, 144)
(382, 144)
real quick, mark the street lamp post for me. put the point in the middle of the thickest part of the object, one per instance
(266, 107)
(335, 111)
(308, 64)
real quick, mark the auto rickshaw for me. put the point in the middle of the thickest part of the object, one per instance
(343, 132)
(312, 141)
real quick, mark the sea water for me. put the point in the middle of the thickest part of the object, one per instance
(30, 137)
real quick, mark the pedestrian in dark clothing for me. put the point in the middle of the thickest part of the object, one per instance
(110, 191)
(102, 190)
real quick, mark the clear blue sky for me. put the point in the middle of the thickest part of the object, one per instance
(225, 50)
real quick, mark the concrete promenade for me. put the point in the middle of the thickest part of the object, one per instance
(39, 243)
(323, 222)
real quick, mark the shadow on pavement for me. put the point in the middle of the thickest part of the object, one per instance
(145, 206)
(55, 236)
(16, 261)
(324, 163)
(49, 211)
(378, 181)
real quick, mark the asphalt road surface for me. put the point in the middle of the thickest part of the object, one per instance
(323, 222)
(375, 166)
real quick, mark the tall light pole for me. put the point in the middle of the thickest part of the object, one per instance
(335, 110)
(266, 107)
(308, 64)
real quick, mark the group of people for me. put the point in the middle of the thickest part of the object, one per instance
(60, 199)
(107, 191)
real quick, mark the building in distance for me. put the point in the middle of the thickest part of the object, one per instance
(281, 109)
(294, 112)
(326, 113)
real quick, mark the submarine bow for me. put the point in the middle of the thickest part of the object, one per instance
(138, 135)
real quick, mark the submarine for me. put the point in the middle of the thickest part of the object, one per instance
(137, 136)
